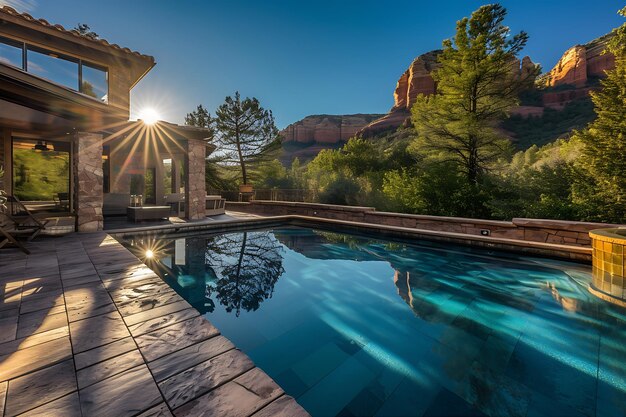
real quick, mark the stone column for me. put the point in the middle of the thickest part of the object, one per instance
(195, 191)
(88, 180)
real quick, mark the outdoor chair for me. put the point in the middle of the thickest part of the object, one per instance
(9, 232)
(21, 217)
(62, 201)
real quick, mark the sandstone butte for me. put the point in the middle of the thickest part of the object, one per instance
(574, 75)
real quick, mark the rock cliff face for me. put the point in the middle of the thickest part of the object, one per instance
(305, 138)
(326, 128)
(415, 81)
(579, 64)
(576, 72)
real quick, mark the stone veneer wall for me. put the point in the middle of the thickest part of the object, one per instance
(88, 177)
(535, 230)
(195, 189)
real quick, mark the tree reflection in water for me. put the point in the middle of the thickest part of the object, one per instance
(247, 266)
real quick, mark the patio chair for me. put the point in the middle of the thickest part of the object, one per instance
(9, 231)
(21, 217)
(62, 201)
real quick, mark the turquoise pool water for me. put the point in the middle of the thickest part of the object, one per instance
(354, 326)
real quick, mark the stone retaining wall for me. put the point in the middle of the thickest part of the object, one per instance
(535, 230)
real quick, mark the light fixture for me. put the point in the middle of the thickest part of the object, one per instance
(149, 254)
(41, 146)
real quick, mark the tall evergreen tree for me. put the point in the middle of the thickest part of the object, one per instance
(602, 191)
(200, 117)
(478, 82)
(245, 132)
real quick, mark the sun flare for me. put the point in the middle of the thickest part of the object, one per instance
(149, 115)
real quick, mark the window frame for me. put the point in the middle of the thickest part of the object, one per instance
(25, 47)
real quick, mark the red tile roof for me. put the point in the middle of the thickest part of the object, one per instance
(25, 16)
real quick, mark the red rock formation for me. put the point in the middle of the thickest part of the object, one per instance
(326, 129)
(416, 80)
(579, 63)
(307, 137)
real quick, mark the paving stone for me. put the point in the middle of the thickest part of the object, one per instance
(88, 300)
(175, 337)
(204, 377)
(156, 312)
(45, 301)
(124, 394)
(160, 410)
(40, 321)
(71, 282)
(32, 340)
(284, 406)
(8, 329)
(110, 367)
(96, 331)
(102, 353)
(239, 398)
(42, 285)
(33, 358)
(68, 406)
(163, 321)
(180, 360)
(3, 394)
(37, 388)
(78, 270)
(12, 311)
(161, 296)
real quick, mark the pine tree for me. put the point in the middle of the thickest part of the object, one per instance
(200, 117)
(478, 82)
(245, 132)
(602, 191)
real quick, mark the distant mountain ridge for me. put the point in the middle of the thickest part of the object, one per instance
(571, 80)
(305, 138)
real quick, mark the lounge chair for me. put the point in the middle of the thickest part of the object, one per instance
(21, 217)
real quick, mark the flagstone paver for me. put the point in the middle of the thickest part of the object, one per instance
(86, 329)
(40, 387)
(67, 406)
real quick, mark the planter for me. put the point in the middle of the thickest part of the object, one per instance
(245, 188)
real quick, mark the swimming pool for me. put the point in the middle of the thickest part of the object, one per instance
(351, 325)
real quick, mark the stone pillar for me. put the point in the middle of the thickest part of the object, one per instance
(195, 190)
(88, 180)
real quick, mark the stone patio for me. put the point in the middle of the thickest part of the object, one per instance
(86, 329)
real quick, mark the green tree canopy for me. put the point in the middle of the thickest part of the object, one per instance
(603, 189)
(477, 84)
(245, 132)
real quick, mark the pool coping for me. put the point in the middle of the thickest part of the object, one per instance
(551, 250)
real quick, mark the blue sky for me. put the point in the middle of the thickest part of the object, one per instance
(303, 57)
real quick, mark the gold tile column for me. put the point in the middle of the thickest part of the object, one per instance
(609, 252)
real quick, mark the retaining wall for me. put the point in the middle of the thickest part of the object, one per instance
(535, 230)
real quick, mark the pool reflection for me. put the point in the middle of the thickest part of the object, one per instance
(365, 325)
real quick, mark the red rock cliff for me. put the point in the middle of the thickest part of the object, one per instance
(326, 128)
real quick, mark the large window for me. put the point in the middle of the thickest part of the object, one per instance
(59, 69)
(94, 82)
(41, 170)
(11, 52)
(88, 78)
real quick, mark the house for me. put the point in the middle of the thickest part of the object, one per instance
(66, 142)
